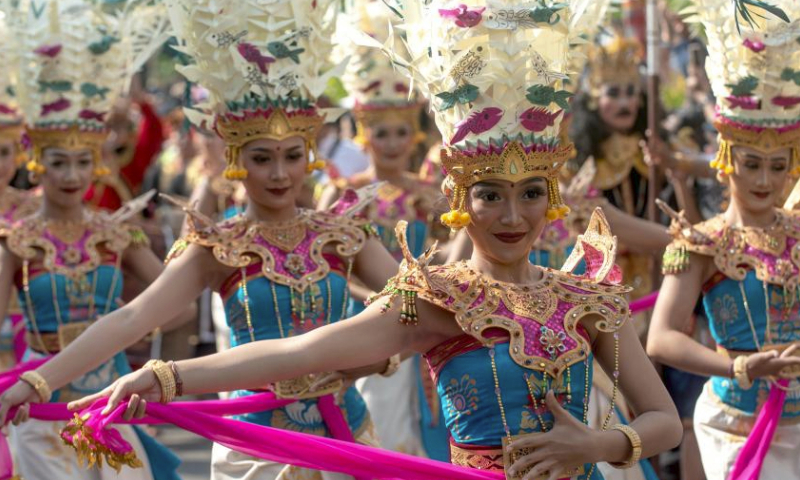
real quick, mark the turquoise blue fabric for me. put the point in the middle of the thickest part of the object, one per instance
(471, 409)
(327, 307)
(731, 329)
(542, 259)
(107, 289)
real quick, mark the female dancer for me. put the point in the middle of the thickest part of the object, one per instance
(66, 261)
(404, 407)
(295, 262)
(14, 203)
(744, 261)
(509, 344)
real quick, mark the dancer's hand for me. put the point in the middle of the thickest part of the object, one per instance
(19, 395)
(567, 445)
(770, 363)
(141, 386)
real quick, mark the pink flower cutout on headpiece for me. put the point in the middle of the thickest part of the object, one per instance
(464, 16)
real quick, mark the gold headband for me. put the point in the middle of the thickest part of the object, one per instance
(368, 115)
(273, 125)
(617, 62)
(72, 138)
(13, 133)
(766, 140)
(513, 164)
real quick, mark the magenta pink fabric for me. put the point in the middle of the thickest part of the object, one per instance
(751, 457)
(645, 303)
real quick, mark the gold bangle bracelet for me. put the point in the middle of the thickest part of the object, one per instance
(636, 446)
(39, 385)
(740, 372)
(165, 377)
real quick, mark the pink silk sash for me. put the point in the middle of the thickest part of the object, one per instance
(751, 457)
(645, 303)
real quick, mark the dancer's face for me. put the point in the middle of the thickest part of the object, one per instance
(507, 218)
(67, 176)
(8, 166)
(758, 180)
(275, 171)
(390, 144)
(618, 105)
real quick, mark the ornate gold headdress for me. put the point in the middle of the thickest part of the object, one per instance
(74, 62)
(263, 63)
(379, 92)
(755, 76)
(495, 75)
(11, 127)
(614, 62)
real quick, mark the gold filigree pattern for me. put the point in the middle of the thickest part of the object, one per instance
(17, 204)
(619, 155)
(81, 242)
(736, 250)
(481, 303)
(240, 242)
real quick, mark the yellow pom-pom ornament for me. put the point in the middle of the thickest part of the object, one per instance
(35, 167)
(234, 173)
(315, 165)
(101, 171)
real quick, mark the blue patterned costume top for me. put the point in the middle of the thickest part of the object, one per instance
(752, 300)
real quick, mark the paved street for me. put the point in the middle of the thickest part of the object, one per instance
(194, 451)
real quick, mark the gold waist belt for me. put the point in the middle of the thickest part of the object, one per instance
(55, 342)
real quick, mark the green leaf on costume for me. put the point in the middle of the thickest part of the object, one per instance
(542, 95)
(743, 10)
(743, 87)
(561, 98)
(464, 94)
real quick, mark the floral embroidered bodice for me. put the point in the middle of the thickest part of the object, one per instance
(71, 275)
(752, 300)
(17, 204)
(519, 341)
(292, 278)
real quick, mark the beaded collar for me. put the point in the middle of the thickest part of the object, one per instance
(290, 253)
(619, 154)
(17, 204)
(72, 249)
(541, 319)
(773, 252)
(393, 203)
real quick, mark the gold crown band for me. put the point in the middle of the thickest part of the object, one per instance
(72, 138)
(368, 116)
(617, 62)
(13, 133)
(766, 140)
(273, 124)
(513, 164)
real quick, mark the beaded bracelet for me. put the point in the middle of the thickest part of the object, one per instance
(178, 380)
(636, 446)
(165, 378)
(740, 372)
(39, 385)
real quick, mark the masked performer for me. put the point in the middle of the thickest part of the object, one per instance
(509, 344)
(281, 271)
(744, 261)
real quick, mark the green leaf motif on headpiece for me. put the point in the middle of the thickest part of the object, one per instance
(744, 87)
(547, 14)
(103, 45)
(743, 10)
(544, 95)
(90, 90)
(462, 95)
(55, 86)
(791, 75)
